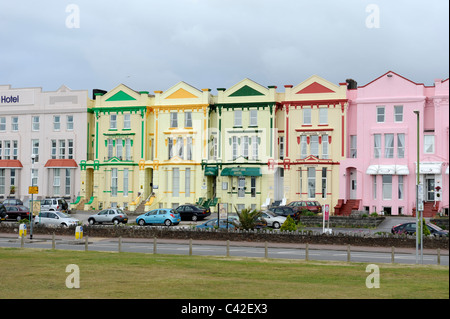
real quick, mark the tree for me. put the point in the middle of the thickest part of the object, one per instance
(247, 218)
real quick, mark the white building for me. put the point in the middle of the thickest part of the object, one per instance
(53, 127)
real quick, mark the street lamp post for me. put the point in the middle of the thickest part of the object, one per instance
(32, 198)
(419, 209)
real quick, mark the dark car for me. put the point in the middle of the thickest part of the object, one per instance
(410, 229)
(192, 212)
(283, 211)
(310, 205)
(3, 214)
(17, 212)
(12, 202)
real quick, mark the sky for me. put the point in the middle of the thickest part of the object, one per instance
(152, 45)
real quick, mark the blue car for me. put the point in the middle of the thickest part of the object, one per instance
(212, 223)
(163, 216)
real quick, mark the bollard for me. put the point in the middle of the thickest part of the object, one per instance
(438, 256)
(348, 253)
(154, 245)
(86, 243)
(228, 248)
(53, 241)
(392, 254)
(120, 244)
(79, 232)
(190, 247)
(266, 250)
(22, 230)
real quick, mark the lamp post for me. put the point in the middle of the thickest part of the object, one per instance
(419, 209)
(33, 156)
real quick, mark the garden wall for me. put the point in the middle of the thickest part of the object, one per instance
(357, 239)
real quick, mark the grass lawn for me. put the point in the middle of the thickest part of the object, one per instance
(33, 273)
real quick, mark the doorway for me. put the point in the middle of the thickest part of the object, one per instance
(429, 188)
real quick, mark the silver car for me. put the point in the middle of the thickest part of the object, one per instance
(273, 220)
(55, 219)
(109, 215)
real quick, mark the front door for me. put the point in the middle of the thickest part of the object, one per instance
(429, 187)
(353, 186)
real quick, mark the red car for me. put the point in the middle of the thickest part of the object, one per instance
(311, 205)
(17, 212)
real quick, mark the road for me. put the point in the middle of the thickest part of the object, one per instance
(236, 249)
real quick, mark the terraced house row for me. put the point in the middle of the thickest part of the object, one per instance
(350, 147)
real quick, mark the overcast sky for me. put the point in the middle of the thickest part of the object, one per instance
(152, 45)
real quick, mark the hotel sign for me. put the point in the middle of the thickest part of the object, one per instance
(16, 97)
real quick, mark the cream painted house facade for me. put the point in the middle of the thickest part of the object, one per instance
(311, 130)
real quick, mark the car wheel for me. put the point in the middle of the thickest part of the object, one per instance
(141, 222)
(64, 225)
(115, 221)
(167, 222)
(194, 218)
(276, 225)
(91, 221)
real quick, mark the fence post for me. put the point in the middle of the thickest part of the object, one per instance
(154, 245)
(348, 253)
(86, 243)
(438, 256)
(307, 252)
(22, 239)
(228, 248)
(392, 254)
(190, 247)
(120, 244)
(266, 250)
(53, 241)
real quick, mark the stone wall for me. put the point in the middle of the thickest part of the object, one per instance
(357, 239)
(342, 221)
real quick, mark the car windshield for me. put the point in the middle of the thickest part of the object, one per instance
(62, 215)
(271, 214)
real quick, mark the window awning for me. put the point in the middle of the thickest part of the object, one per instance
(430, 168)
(387, 170)
(211, 171)
(61, 163)
(241, 171)
(10, 164)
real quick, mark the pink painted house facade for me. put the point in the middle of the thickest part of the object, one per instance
(379, 172)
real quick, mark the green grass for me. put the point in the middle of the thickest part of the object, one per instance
(32, 273)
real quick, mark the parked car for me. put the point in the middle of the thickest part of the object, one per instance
(164, 216)
(18, 212)
(410, 229)
(212, 223)
(311, 205)
(193, 212)
(54, 204)
(109, 215)
(273, 220)
(12, 202)
(284, 211)
(55, 218)
(3, 214)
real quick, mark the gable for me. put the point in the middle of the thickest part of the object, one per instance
(121, 96)
(246, 91)
(181, 94)
(315, 88)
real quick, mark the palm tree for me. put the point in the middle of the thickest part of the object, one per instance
(247, 218)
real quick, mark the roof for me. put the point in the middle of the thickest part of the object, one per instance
(10, 164)
(64, 163)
